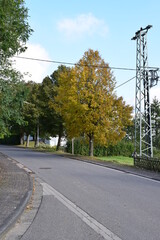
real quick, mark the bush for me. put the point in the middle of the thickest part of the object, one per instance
(81, 147)
(156, 152)
(43, 145)
(100, 151)
(124, 148)
(10, 140)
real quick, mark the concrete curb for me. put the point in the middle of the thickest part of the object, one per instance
(9, 223)
(28, 215)
(16, 213)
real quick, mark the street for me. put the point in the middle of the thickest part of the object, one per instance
(90, 202)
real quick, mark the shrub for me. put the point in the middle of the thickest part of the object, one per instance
(10, 140)
(81, 147)
(156, 152)
(125, 148)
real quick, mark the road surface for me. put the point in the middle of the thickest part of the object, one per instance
(90, 202)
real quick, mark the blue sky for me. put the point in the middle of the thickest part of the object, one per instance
(65, 29)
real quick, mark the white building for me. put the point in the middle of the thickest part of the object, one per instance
(54, 140)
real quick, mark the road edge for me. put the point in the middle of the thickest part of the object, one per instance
(29, 214)
(15, 215)
(123, 168)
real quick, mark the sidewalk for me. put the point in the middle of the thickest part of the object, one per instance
(15, 192)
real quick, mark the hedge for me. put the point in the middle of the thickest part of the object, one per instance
(81, 147)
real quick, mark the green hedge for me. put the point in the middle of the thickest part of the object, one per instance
(156, 152)
(10, 140)
(124, 148)
(81, 147)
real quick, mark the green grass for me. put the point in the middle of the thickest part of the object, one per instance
(31, 144)
(118, 159)
(42, 147)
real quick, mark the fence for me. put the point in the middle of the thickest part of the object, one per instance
(147, 163)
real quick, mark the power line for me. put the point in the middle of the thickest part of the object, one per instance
(85, 65)
(74, 64)
(125, 82)
(96, 66)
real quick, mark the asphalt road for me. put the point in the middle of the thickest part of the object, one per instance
(90, 202)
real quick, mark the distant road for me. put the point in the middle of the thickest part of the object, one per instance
(82, 201)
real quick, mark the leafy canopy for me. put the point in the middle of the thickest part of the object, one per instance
(14, 32)
(14, 27)
(12, 94)
(87, 102)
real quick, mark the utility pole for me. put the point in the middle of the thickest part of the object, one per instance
(145, 79)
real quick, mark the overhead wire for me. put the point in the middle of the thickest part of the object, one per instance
(125, 82)
(77, 64)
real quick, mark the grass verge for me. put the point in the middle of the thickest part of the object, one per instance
(118, 160)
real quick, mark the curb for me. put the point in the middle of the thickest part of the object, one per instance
(16, 213)
(27, 217)
(123, 168)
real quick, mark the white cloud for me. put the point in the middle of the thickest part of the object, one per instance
(82, 25)
(36, 70)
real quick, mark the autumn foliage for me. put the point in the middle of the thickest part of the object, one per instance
(88, 104)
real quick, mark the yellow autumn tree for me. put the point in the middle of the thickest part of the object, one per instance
(87, 102)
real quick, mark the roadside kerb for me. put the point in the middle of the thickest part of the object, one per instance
(16, 188)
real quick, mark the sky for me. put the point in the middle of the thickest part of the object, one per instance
(65, 29)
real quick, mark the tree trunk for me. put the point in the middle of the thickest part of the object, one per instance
(59, 142)
(34, 139)
(73, 146)
(59, 137)
(91, 138)
(22, 139)
(37, 137)
(27, 141)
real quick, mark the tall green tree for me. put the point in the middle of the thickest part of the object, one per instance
(12, 95)
(52, 123)
(32, 112)
(14, 33)
(88, 104)
(48, 117)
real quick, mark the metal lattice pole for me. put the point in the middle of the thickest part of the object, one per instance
(143, 128)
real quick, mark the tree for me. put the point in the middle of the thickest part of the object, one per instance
(14, 32)
(130, 132)
(52, 122)
(155, 111)
(32, 111)
(49, 121)
(12, 95)
(87, 102)
(14, 27)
